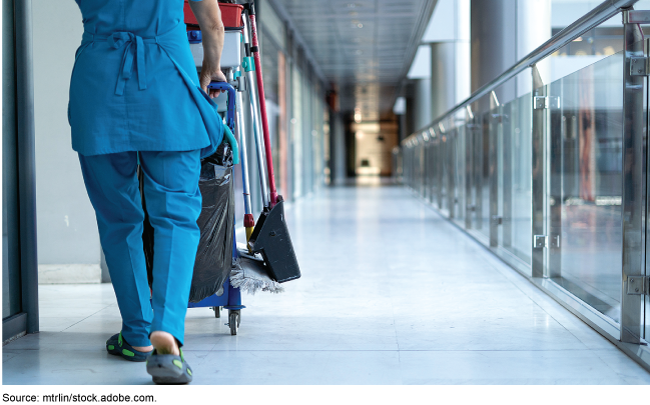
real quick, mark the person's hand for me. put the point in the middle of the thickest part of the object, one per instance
(209, 75)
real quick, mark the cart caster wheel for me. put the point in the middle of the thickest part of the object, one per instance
(217, 312)
(234, 319)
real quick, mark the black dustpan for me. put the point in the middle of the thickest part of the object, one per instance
(271, 239)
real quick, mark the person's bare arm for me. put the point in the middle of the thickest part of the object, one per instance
(208, 15)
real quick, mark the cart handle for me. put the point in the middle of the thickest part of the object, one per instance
(230, 117)
(230, 114)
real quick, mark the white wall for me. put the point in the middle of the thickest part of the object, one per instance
(422, 98)
(533, 29)
(68, 242)
(448, 34)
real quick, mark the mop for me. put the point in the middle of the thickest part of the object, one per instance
(252, 278)
(247, 273)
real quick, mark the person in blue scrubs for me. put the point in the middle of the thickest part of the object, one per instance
(136, 99)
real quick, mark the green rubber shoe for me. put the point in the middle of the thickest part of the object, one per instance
(169, 368)
(118, 346)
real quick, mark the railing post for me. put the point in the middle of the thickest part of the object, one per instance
(478, 171)
(439, 166)
(540, 176)
(425, 163)
(555, 182)
(451, 181)
(432, 164)
(633, 185)
(469, 172)
(645, 322)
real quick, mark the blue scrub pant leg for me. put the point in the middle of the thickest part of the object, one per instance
(171, 188)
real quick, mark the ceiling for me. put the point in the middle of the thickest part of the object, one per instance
(363, 47)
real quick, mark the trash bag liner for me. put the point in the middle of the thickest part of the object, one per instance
(216, 222)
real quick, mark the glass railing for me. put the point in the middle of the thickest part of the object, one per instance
(555, 181)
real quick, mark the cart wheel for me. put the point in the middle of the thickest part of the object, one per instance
(233, 321)
(217, 312)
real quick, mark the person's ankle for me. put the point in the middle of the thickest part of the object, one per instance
(143, 349)
(164, 343)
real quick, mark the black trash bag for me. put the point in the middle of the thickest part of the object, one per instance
(216, 222)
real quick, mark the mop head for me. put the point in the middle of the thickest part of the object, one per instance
(252, 280)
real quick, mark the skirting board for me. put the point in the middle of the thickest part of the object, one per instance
(69, 274)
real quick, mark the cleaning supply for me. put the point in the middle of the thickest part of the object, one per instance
(269, 246)
(252, 277)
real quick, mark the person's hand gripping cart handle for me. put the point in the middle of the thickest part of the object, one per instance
(208, 15)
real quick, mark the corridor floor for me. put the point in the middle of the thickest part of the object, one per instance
(390, 293)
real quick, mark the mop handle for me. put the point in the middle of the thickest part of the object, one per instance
(262, 100)
(249, 67)
(249, 220)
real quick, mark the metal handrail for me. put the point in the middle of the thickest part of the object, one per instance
(595, 17)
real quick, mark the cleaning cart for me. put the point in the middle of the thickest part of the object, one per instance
(268, 257)
(227, 297)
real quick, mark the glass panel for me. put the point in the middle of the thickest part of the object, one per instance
(305, 129)
(585, 188)
(517, 177)
(11, 297)
(296, 132)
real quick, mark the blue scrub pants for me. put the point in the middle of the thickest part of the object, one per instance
(171, 189)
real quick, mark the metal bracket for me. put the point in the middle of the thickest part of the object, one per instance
(470, 114)
(639, 66)
(540, 241)
(550, 102)
(497, 220)
(494, 100)
(636, 17)
(638, 285)
(499, 118)
(555, 241)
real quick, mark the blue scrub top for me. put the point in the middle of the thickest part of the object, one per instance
(134, 85)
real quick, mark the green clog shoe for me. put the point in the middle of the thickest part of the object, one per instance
(118, 346)
(169, 368)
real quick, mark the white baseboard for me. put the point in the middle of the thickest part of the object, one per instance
(69, 274)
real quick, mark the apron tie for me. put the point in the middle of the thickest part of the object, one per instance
(134, 46)
(173, 40)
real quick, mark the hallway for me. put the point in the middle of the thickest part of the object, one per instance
(391, 293)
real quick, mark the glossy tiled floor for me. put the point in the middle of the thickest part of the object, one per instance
(391, 294)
